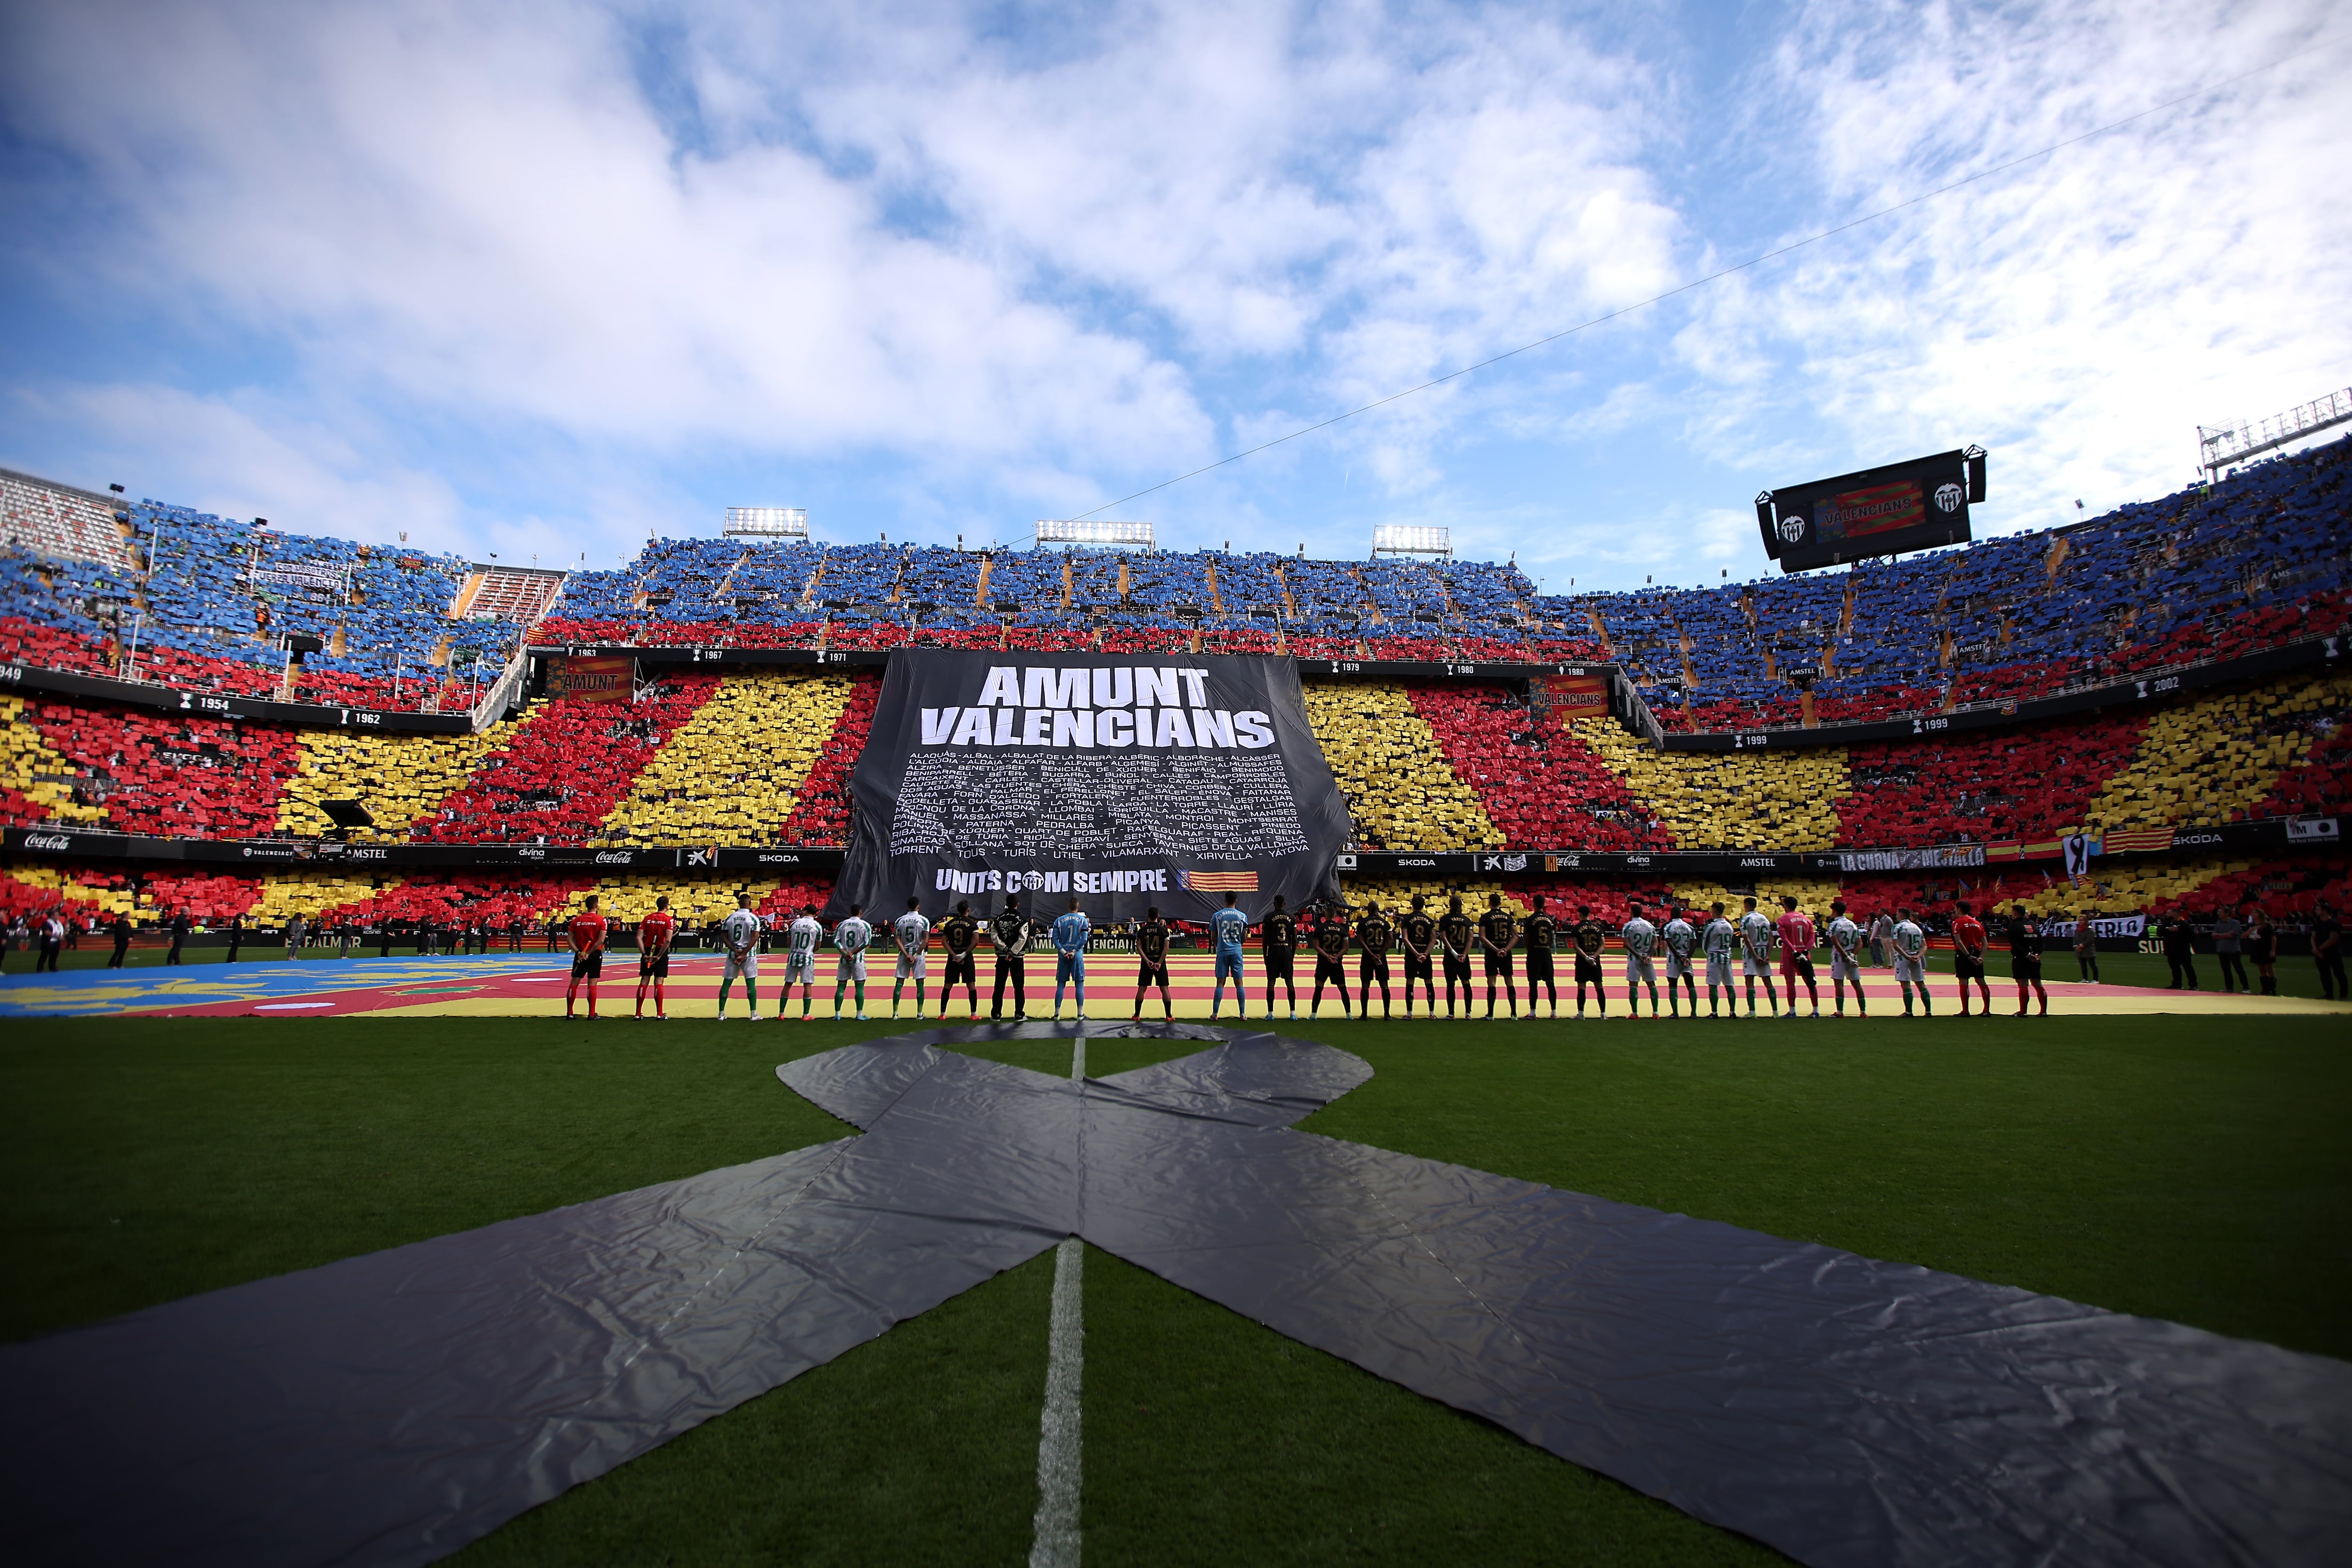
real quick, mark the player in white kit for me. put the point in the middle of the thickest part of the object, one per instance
(801, 940)
(1846, 959)
(851, 938)
(1681, 939)
(1719, 939)
(1755, 945)
(1911, 963)
(740, 932)
(1640, 938)
(912, 932)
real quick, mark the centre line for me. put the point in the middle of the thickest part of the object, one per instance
(1059, 1452)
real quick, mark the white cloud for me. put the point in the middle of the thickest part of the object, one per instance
(239, 457)
(979, 271)
(474, 208)
(2080, 315)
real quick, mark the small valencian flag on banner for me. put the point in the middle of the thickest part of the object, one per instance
(1218, 881)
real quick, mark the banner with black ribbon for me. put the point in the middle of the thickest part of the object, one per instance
(1165, 780)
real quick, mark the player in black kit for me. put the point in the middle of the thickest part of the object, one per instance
(1543, 931)
(1419, 934)
(1009, 931)
(1454, 931)
(1499, 928)
(1373, 934)
(961, 933)
(1152, 962)
(1592, 938)
(1330, 956)
(2025, 958)
(1278, 944)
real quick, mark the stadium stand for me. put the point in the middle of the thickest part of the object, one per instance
(764, 756)
(1539, 784)
(37, 783)
(400, 781)
(52, 522)
(2247, 563)
(566, 766)
(1401, 790)
(163, 776)
(2223, 758)
(820, 813)
(733, 772)
(1733, 800)
(505, 594)
(227, 591)
(2034, 781)
(29, 889)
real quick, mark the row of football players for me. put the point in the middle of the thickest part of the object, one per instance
(1450, 939)
(741, 938)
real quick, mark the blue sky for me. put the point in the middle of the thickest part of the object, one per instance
(541, 278)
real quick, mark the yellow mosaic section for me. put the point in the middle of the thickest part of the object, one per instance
(2123, 888)
(1812, 896)
(1728, 800)
(691, 899)
(33, 874)
(310, 893)
(398, 778)
(1402, 792)
(25, 753)
(732, 773)
(2202, 760)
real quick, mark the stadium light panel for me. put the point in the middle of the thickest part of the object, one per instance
(1095, 531)
(767, 522)
(1411, 539)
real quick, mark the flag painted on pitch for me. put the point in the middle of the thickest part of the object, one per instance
(1218, 881)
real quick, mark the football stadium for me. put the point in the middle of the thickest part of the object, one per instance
(1174, 1104)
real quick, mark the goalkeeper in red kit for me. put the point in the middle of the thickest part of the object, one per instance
(587, 933)
(655, 932)
(1968, 958)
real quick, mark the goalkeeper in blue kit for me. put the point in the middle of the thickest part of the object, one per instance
(1070, 934)
(1228, 928)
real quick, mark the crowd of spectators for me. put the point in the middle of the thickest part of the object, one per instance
(197, 600)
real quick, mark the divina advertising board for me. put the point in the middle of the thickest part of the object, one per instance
(1122, 783)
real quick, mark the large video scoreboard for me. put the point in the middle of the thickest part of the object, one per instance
(1914, 505)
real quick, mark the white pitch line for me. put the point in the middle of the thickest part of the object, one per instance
(1060, 1450)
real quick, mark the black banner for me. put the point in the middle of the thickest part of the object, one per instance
(1878, 512)
(1122, 782)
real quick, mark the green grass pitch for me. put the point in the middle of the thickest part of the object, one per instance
(2189, 1168)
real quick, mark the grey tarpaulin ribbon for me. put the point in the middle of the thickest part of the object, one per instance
(389, 1408)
